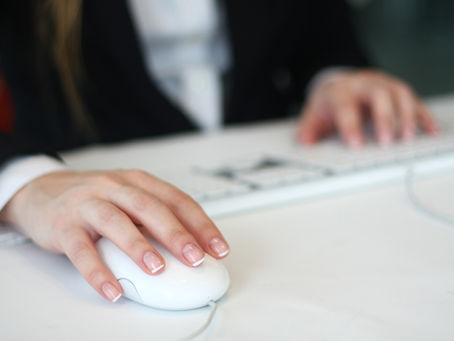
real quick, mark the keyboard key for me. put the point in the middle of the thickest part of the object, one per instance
(275, 176)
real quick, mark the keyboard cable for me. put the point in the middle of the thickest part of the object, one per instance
(416, 202)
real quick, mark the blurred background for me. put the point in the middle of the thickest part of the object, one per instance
(412, 39)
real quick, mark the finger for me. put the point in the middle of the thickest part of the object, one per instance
(79, 248)
(315, 123)
(109, 221)
(405, 102)
(425, 118)
(187, 211)
(191, 215)
(160, 222)
(383, 114)
(349, 122)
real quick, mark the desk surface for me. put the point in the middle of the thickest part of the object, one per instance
(358, 266)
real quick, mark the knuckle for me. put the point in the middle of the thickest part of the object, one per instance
(63, 230)
(363, 72)
(59, 224)
(346, 113)
(137, 243)
(207, 226)
(137, 174)
(345, 106)
(177, 236)
(108, 179)
(402, 89)
(106, 214)
(377, 74)
(378, 93)
(336, 91)
(141, 201)
(343, 96)
(328, 88)
(365, 75)
(95, 276)
(180, 199)
(78, 252)
(401, 86)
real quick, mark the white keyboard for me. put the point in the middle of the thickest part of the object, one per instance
(259, 166)
(269, 179)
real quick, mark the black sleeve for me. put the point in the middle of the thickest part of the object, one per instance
(121, 99)
(328, 39)
(12, 146)
(33, 124)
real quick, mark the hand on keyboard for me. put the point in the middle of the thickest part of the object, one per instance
(295, 172)
(345, 99)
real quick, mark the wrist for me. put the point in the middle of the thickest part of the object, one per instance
(16, 207)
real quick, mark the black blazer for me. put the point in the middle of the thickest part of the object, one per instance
(277, 46)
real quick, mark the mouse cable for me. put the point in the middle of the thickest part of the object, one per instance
(205, 326)
(417, 204)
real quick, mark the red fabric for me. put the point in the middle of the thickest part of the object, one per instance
(6, 107)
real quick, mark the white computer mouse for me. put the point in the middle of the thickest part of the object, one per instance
(178, 287)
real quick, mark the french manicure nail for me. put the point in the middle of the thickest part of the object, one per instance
(219, 247)
(111, 292)
(193, 254)
(153, 261)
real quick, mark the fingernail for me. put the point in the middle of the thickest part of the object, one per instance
(193, 254)
(111, 292)
(219, 247)
(385, 137)
(354, 142)
(153, 261)
(408, 134)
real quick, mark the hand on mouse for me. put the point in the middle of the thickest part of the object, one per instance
(346, 99)
(66, 212)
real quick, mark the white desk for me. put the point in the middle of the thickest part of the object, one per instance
(358, 266)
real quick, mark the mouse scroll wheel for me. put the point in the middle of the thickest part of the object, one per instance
(129, 290)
